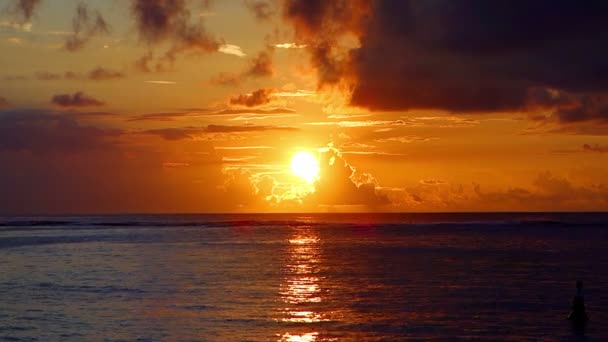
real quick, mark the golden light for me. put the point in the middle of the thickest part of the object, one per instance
(305, 165)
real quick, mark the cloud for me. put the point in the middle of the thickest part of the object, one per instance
(102, 74)
(42, 132)
(78, 99)
(257, 111)
(25, 8)
(176, 133)
(3, 102)
(262, 10)
(583, 109)
(97, 74)
(406, 139)
(595, 148)
(231, 49)
(201, 112)
(248, 128)
(86, 24)
(47, 76)
(296, 93)
(54, 164)
(147, 64)
(261, 65)
(161, 21)
(257, 98)
(290, 46)
(549, 192)
(423, 55)
(341, 184)
(194, 132)
(167, 116)
(161, 82)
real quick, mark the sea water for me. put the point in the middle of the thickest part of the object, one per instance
(302, 277)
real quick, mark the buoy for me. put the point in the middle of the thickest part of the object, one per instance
(578, 315)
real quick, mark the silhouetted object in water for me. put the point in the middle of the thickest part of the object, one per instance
(578, 315)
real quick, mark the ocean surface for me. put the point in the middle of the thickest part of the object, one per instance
(302, 277)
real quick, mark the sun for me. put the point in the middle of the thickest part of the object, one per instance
(305, 165)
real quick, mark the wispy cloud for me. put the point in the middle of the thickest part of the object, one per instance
(405, 139)
(256, 111)
(262, 117)
(78, 99)
(257, 98)
(244, 148)
(595, 148)
(86, 25)
(160, 82)
(297, 93)
(194, 113)
(263, 10)
(290, 46)
(193, 132)
(97, 74)
(231, 49)
(362, 123)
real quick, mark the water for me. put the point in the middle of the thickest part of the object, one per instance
(294, 277)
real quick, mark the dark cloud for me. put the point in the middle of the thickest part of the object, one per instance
(98, 74)
(584, 109)
(167, 116)
(161, 21)
(247, 128)
(199, 112)
(193, 132)
(176, 133)
(51, 163)
(595, 148)
(86, 24)
(261, 65)
(102, 74)
(256, 98)
(548, 192)
(341, 184)
(25, 8)
(466, 56)
(78, 99)
(263, 10)
(147, 63)
(42, 132)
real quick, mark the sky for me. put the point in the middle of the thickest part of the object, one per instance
(159, 106)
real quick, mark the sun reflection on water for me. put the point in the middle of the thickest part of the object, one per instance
(308, 337)
(300, 289)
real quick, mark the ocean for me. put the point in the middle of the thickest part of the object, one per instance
(302, 277)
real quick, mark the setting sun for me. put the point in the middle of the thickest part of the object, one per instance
(305, 165)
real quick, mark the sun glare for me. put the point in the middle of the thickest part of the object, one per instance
(305, 165)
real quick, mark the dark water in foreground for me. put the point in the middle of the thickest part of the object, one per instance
(302, 277)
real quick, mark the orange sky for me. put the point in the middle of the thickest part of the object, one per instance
(197, 106)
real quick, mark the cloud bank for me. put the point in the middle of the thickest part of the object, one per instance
(467, 56)
(78, 99)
